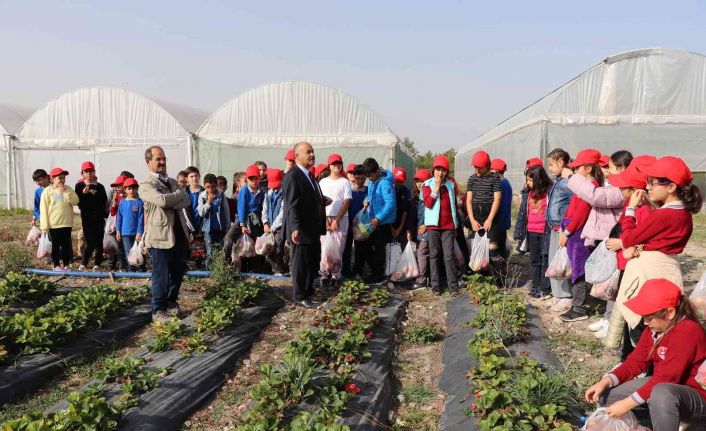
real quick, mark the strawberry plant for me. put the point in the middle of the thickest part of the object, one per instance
(16, 288)
(119, 370)
(195, 343)
(166, 333)
(423, 334)
(215, 315)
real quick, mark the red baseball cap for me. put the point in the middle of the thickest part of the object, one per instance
(351, 168)
(319, 169)
(586, 157)
(656, 294)
(630, 177)
(672, 168)
(334, 158)
(604, 161)
(480, 159)
(534, 161)
(118, 181)
(87, 165)
(252, 171)
(274, 178)
(399, 174)
(289, 156)
(441, 161)
(498, 165)
(422, 174)
(58, 171)
(130, 182)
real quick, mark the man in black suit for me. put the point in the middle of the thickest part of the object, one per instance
(304, 222)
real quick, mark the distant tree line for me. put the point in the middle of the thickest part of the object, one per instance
(425, 160)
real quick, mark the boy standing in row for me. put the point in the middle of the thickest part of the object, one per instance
(93, 203)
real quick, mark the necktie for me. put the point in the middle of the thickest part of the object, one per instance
(313, 182)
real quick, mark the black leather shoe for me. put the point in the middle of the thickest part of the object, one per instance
(306, 303)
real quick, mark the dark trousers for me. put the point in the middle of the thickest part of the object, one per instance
(579, 289)
(669, 403)
(375, 248)
(305, 268)
(423, 260)
(232, 237)
(278, 260)
(348, 252)
(119, 255)
(93, 231)
(441, 249)
(538, 262)
(61, 246)
(167, 274)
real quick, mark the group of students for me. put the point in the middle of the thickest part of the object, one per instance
(641, 208)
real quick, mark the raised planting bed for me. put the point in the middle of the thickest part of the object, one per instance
(336, 375)
(19, 291)
(40, 341)
(163, 382)
(510, 389)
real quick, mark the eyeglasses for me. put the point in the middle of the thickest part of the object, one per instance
(657, 182)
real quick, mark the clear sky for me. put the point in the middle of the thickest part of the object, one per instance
(439, 72)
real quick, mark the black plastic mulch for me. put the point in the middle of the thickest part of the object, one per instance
(457, 360)
(28, 373)
(197, 377)
(371, 408)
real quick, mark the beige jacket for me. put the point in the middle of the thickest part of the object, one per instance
(161, 206)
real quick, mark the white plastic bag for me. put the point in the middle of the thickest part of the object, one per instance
(393, 254)
(608, 289)
(701, 375)
(110, 245)
(600, 421)
(246, 247)
(601, 264)
(361, 225)
(698, 298)
(480, 252)
(265, 244)
(44, 246)
(110, 225)
(560, 267)
(407, 268)
(331, 259)
(33, 236)
(134, 257)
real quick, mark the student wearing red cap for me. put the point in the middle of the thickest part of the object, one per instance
(417, 229)
(272, 216)
(56, 206)
(130, 220)
(402, 198)
(579, 249)
(337, 188)
(321, 171)
(288, 161)
(505, 212)
(441, 220)
(215, 215)
(674, 347)
(262, 168)
(250, 214)
(359, 191)
(116, 195)
(483, 196)
(93, 203)
(534, 161)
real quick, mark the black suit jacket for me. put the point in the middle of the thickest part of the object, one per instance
(303, 207)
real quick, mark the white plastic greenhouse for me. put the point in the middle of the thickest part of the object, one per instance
(11, 120)
(111, 127)
(649, 101)
(265, 122)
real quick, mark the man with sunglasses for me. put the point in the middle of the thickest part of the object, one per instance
(166, 233)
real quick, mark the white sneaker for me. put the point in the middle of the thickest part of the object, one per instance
(96, 268)
(561, 305)
(597, 325)
(82, 267)
(602, 333)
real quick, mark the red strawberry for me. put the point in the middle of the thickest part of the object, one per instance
(351, 388)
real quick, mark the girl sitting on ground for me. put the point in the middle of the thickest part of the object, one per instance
(675, 346)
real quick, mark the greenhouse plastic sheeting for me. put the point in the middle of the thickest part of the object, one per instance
(654, 94)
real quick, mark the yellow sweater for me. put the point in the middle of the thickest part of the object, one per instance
(57, 208)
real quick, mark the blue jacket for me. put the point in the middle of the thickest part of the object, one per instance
(248, 203)
(382, 199)
(274, 204)
(37, 199)
(559, 198)
(216, 216)
(130, 218)
(356, 203)
(194, 196)
(521, 223)
(420, 220)
(505, 212)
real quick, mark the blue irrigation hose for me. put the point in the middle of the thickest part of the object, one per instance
(81, 274)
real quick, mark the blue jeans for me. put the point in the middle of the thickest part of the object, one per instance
(167, 273)
(212, 239)
(128, 242)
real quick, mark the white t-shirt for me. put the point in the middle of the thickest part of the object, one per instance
(338, 190)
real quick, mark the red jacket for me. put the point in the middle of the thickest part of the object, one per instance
(676, 359)
(640, 214)
(578, 212)
(666, 230)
